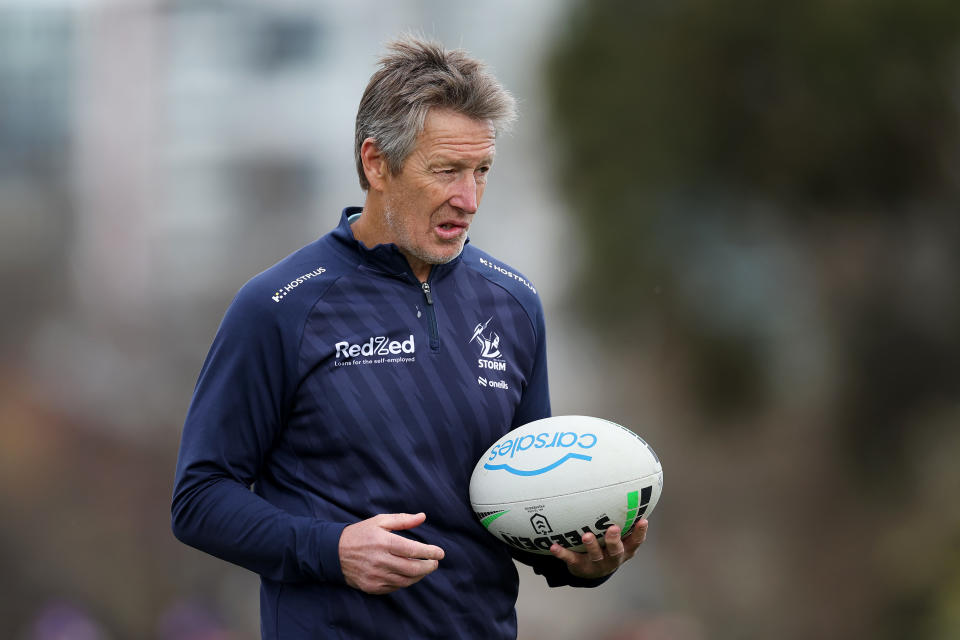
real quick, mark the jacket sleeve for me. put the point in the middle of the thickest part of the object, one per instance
(534, 405)
(535, 401)
(554, 571)
(236, 413)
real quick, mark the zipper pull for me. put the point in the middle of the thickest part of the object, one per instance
(426, 292)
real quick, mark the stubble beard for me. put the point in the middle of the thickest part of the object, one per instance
(401, 228)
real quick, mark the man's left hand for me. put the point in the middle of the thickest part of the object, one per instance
(598, 561)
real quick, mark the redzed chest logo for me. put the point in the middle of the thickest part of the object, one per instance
(374, 351)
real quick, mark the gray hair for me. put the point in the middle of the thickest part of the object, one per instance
(415, 76)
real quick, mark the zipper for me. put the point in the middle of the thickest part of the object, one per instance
(426, 292)
(431, 317)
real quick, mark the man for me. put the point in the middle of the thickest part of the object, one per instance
(344, 386)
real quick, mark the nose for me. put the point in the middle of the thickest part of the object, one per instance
(467, 194)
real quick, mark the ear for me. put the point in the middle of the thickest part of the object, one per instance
(374, 164)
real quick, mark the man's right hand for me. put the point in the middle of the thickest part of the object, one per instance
(377, 561)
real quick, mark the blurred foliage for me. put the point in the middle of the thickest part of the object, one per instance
(823, 101)
(675, 118)
(767, 197)
(825, 107)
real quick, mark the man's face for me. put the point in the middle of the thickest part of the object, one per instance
(431, 202)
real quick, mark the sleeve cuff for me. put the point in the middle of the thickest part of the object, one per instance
(555, 571)
(326, 551)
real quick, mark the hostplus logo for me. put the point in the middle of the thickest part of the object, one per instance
(282, 292)
(508, 273)
(491, 359)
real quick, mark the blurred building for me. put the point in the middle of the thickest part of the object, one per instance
(178, 148)
(154, 155)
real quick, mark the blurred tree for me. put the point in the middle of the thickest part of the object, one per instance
(837, 113)
(768, 193)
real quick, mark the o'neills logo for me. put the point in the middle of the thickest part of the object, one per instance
(376, 350)
(281, 293)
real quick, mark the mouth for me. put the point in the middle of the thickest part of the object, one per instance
(451, 230)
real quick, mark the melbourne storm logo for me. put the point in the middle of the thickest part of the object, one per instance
(489, 343)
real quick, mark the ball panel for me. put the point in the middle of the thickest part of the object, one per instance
(535, 525)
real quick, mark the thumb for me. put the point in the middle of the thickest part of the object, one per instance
(401, 521)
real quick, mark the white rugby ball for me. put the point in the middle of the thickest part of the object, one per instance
(555, 479)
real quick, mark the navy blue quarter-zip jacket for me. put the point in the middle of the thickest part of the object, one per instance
(339, 387)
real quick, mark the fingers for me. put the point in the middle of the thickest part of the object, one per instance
(376, 560)
(410, 567)
(637, 535)
(399, 521)
(598, 560)
(579, 561)
(568, 556)
(394, 573)
(612, 542)
(389, 573)
(593, 550)
(407, 548)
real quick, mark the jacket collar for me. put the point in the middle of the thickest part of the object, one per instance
(385, 258)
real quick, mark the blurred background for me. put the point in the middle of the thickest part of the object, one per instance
(743, 219)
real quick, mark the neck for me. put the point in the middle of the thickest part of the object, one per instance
(371, 229)
(420, 268)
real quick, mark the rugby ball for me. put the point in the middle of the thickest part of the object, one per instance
(555, 479)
